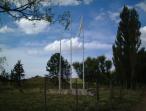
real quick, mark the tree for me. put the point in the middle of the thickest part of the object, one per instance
(93, 67)
(79, 69)
(34, 10)
(96, 71)
(101, 60)
(2, 70)
(90, 69)
(53, 67)
(4, 77)
(18, 73)
(2, 62)
(126, 46)
(12, 77)
(108, 66)
(141, 67)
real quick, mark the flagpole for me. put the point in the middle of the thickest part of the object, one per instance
(83, 56)
(59, 76)
(71, 63)
(82, 30)
(70, 54)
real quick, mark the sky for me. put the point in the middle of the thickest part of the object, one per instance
(34, 42)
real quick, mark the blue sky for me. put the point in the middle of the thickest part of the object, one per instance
(34, 42)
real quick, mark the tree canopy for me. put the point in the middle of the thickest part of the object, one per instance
(34, 10)
(53, 66)
(95, 68)
(127, 43)
(18, 73)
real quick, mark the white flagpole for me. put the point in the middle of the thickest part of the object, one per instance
(71, 63)
(82, 30)
(83, 58)
(70, 55)
(59, 76)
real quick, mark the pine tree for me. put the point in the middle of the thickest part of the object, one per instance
(126, 45)
(19, 73)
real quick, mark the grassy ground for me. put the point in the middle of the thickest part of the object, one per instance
(33, 100)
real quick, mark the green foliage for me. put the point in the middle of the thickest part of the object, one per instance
(4, 77)
(95, 68)
(141, 66)
(53, 67)
(2, 62)
(17, 74)
(127, 43)
(108, 66)
(34, 10)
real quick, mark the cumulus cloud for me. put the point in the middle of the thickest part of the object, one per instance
(101, 16)
(32, 27)
(76, 45)
(114, 16)
(18, 3)
(66, 2)
(88, 1)
(6, 29)
(142, 5)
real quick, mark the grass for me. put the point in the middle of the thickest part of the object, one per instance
(33, 100)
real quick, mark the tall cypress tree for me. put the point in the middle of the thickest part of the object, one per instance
(126, 45)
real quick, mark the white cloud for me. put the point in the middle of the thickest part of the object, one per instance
(101, 16)
(35, 44)
(6, 29)
(143, 34)
(66, 2)
(114, 16)
(18, 3)
(32, 27)
(97, 45)
(88, 1)
(55, 46)
(76, 45)
(142, 5)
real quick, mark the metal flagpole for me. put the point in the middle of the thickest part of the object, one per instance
(70, 55)
(83, 58)
(71, 63)
(59, 75)
(82, 30)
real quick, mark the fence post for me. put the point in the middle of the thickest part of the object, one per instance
(45, 92)
(76, 95)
